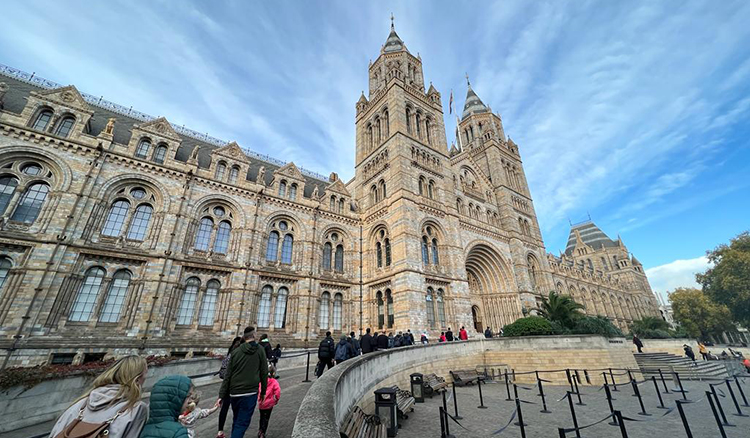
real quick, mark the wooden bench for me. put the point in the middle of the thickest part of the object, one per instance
(432, 384)
(360, 425)
(465, 377)
(404, 402)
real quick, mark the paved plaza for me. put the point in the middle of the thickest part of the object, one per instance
(425, 422)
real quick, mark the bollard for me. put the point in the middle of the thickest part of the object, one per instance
(609, 402)
(442, 423)
(618, 416)
(630, 375)
(709, 396)
(520, 419)
(663, 382)
(684, 419)
(658, 393)
(445, 402)
(742, 393)
(604, 374)
(637, 393)
(541, 394)
(481, 399)
(612, 378)
(588, 379)
(578, 394)
(561, 432)
(444, 419)
(507, 387)
(719, 407)
(573, 415)
(578, 377)
(734, 399)
(682, 390)
(307, 371)
(513, 373)
(455, 403)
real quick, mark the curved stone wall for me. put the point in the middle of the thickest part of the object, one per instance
(329, 399)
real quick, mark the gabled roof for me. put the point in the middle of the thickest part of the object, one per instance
(159, 126)
(394, 43)
(232, 150)
(291, 171)
(591, 235)
(338, 187)
(473, 105)
(66, 95)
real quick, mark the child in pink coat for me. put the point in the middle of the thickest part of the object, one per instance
(273, 394)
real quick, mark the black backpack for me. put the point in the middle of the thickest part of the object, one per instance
(324, 350)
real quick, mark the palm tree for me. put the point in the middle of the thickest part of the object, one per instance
(560, 308)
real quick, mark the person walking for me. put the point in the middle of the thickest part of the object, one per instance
(390, 340)
(344, 350)
(355, 343)
(276, 355)
(326, 351)
(638, 343)
(449, 335)
(112, 405)
(170, 396)
(366, 343)
(247, 368)
(488, 333)
(225, 403)
(273, 394)
(688, 352)
(266, 344)
(462, 335)
(382, 341)
(411, 337)
(703, 350)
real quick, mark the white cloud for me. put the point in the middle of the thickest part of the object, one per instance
(679, 273)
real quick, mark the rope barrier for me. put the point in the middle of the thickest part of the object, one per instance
(667, 412)
(579, 428)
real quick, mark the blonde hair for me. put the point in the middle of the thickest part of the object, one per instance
(125, 372)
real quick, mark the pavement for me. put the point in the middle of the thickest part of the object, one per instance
(425, 420)
(293, 390)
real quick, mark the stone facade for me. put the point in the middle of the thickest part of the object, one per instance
(120, 232)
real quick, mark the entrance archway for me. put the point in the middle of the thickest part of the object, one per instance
(494, 299)
(477, 318)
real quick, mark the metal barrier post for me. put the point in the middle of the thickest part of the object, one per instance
(663, 382)
(637, 393)
(734, 399)
(561, 432)
(307, 371)
(586, 374)
(455, 402)
(742, 393)
(578, 377)
(624, 432)
(609, 402)
(682, 390)
(709, 396)
(507, 387)
(521, 424)
(541, 394)
(614, 383)
(658, 393)
(578, 393)
(684, 418)
(573, 414)
(442, 423)
(718, 405)
(481, 399)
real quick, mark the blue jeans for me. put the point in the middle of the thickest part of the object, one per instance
(242, 413)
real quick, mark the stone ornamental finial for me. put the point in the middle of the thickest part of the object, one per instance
(392, 26)
(467, 80)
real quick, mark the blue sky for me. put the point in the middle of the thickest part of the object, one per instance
(633, 112)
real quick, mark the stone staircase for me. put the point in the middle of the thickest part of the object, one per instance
(650, 363)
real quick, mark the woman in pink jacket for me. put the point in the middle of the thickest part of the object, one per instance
(273, 394)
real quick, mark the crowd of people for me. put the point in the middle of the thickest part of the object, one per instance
(113, 406)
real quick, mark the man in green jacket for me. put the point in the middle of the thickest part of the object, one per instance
(248, 368)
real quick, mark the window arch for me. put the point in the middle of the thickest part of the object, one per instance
(208, 304)
(116, 218)
(387, 252)
(142, 150)
(341, 206)
(408, 120)
(327, 251)
(435, 257)
(203, 238)
(221, 169)
(333, 203)
(283, 231)
(279, 320)
(272, 248)
(30, 204)
(139, 224)
(382, 245)
(5, 265)
(214, 229)
(160, 154)
(533, 271)
(187, 303)
(325, 302)
(118, 290)
(374, 197)
(337, 310)
(425, 251)
(389, 307)
(223, 233)
(64, 126)
(422, 188)
(431, 189)
(8, 185)
(42, 120)
(264, 307)
(293, 192)
(282, 188)
(339, 262)
(429, 306)
(379, 255)
(429, 246)
(286, 249)
(381, 312)
(233, 173)
(440, 307)
(382, 190)
(83, 306)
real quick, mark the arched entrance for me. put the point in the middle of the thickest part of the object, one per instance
(494, 300)
(477, 318)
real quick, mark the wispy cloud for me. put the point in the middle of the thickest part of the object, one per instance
(679, 273)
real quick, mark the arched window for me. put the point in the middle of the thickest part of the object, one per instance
(221, 169)
(203, 238)
(282, 189)
(379, 255)
(381, 189)
(387, 122)
(459, 206)
(142, 150)
(389, 306)
(427, 131)
(381, 313)
(264, 307)
(435, 258)
(187, 303)
(31, 203)
(5, 265)
(339, 265)
(8, 186)
(287, 248)
(64, 126)
(42, 120)
(387, 252)
(160, 153)
(369, 136)
(83, 306)
(337, 311)
(417, 124)
(431, 189)
(425, 251)
(533, 268)
(221, 244)
(233, 173)
(293, 192)
(279, 319)
(408, 120)
(118, 289)
(333, 203)
(429, 306)
(440, 308)
(208, 304)
(421, 186)
(272, 248)
(139, 224)
(325, 302)
(327, 249)
(341, 206)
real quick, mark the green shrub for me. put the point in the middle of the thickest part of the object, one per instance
(529, 326)
(596, 325)
(559, 329)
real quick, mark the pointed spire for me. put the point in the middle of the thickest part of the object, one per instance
(474, 104)
(393, 43)
(362, 98)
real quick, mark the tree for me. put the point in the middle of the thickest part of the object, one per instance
(698, 315)
(560, 308)
(650, 327)
(728, 281)
(528, 326)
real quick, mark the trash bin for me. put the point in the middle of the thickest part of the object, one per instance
(417, 390)
(385, 408)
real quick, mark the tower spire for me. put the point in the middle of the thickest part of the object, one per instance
(468, 84)
(392, 26)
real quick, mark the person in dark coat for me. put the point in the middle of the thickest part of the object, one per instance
(411, 338)
(169, 398)
(488, 333)
(688, 352)
(344, 350)
(355, 343)
(638, 343)
(365, 342)
(326, 351)
(266, 344)
(449, 335)
(382, 341)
